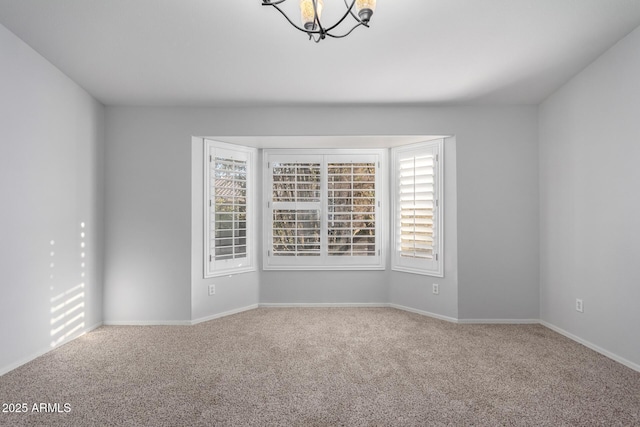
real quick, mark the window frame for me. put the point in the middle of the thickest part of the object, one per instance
(324, 261)
(212, 267)
(435, 266)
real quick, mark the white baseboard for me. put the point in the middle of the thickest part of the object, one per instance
(424, 313)
(147, 322)
(607, 353)
(468, 321)
(43, 351)
(325, 305)
(592, 346)
(224, 314)
(499, 321)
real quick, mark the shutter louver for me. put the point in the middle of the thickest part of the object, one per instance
(228, 215)
(351, 209)
(296, 201)
(296, 232)
(296, 182)
(416, 206)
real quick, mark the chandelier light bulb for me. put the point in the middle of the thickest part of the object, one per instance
(308, 13)
(357, 12)
(365, 9)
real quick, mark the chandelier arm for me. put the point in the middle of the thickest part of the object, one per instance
(349, 11)
(321, 30)
(349, 32)
(287, 18)
(320, 33)
(357, 18)
(272, 3)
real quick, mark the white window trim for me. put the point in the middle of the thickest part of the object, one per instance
(436, 266)
(241, 265)
(320, 263)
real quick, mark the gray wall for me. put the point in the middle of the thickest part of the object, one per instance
(234, 291)
(590, 202)
(150, 219)
(416, 291)
(498, 215)
(51, 167)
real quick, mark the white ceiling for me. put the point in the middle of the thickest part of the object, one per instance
(237, 52)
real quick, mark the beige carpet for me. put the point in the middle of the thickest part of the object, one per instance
(325, 367)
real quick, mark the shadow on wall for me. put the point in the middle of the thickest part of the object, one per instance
(68, 299)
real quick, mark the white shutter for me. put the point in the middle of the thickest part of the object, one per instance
(417, 203)
(296, 199)
(417, 183)
(351, 209)
(296, 232)
(228, 209)
(296, 182)
(228, 215)
(322, 210)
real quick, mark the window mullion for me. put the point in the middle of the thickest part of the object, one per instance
(324, 210)
(414, 201)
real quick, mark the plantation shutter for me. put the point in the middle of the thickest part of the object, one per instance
(417, 182)
(417, 203)
(229, 214)
(351, 209)
(228, 204)
(322, 210)
(296, 198)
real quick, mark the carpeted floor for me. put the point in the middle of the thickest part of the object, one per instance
(324, 367)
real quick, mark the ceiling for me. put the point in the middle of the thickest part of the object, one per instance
(239, 53)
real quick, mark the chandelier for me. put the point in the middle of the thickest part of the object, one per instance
(311, 12)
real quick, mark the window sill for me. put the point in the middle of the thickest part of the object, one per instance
(324, 267)
(417, 271)
(230, 272)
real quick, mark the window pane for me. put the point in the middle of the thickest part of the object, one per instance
(228, 216)
(296, 182)
(296, 232)
(351, 209)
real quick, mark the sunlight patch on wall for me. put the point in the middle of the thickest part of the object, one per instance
(68, 305)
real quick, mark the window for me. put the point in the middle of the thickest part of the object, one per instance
(323, 209)
(228, 205)
(417, 208)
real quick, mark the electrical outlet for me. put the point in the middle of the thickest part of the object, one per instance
(436, 289)
(579, 306)
(212, 289)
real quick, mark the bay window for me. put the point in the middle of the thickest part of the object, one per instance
(323, 209)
